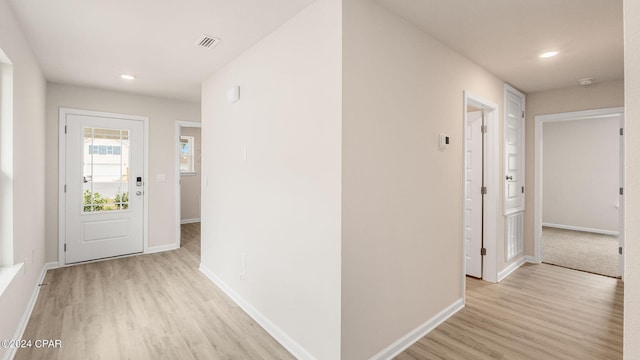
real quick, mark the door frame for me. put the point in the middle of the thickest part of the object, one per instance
(540, 120)
(62, 165)
(491, 180)
(178, 130)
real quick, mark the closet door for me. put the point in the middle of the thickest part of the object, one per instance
(514, 151)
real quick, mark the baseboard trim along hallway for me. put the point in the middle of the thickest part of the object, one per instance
(511, 268)
(11, 352)
(418, 333)
(278, 334)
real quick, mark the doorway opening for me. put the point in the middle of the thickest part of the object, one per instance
(579, 220)
(481, 188)
(188, 179)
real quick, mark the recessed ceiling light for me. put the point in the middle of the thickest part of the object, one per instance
(548, 54)
(127, 77)
(585, 82)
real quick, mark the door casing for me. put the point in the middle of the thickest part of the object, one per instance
(179, 125)
(62, 145)
(537, 214)
(491, 180)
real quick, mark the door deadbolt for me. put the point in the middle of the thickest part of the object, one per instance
(509, 177)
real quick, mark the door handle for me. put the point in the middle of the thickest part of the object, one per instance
(509, 177)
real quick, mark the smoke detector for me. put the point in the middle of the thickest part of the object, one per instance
(207, 41)
(585, 82)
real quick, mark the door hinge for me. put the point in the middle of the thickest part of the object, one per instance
(65, 129)
(523, 189)
(483, 251)
(483, 129)
(483, 190)
(621, 191)
(620, 250)
(65, 188)
(65, 247)
(621, 131)
(523, 114)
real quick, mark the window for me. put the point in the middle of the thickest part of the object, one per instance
(105, 170)
(6, 171)
(105, 150)
(187, 144)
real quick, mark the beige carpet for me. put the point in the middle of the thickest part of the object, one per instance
(595, 253)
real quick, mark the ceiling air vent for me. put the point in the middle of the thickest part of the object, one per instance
(207, 41)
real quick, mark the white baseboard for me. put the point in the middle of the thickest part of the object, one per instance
(51, 265)
(22, 325)
(293, 347)
(511, 268)
(418, 333)
(161, 248)
(531, 259)
(580, 228)
(189, 221)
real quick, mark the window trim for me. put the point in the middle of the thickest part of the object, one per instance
(6, 164)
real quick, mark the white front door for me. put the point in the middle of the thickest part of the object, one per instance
(514, 152)
(473, 197)
(104, 198)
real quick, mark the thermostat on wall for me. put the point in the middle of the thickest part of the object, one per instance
(444, 141)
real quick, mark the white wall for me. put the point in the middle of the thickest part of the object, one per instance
(402, 197)
(281, 205)
(632, 178)
(162, 113)
(581, 173)
(28, 172)
(576, 98)
(190, 184)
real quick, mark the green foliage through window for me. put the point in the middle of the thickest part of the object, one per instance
(96, 202)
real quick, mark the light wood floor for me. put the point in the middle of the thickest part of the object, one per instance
(160, 306)
(156, 306)
(539, 312)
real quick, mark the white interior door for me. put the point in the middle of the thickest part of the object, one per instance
(473, 196)
(104, 197)
(514, 152)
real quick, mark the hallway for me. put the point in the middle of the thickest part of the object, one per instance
(156, 306)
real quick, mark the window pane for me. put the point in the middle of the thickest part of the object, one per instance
(105, 170)
(186, 153)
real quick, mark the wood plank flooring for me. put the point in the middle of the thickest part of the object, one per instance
(156, 306)
(160, 306)
(539, 312)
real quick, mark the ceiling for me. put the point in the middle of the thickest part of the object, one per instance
(506, 37)
(92, 42)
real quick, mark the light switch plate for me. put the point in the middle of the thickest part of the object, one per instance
(233, 94)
